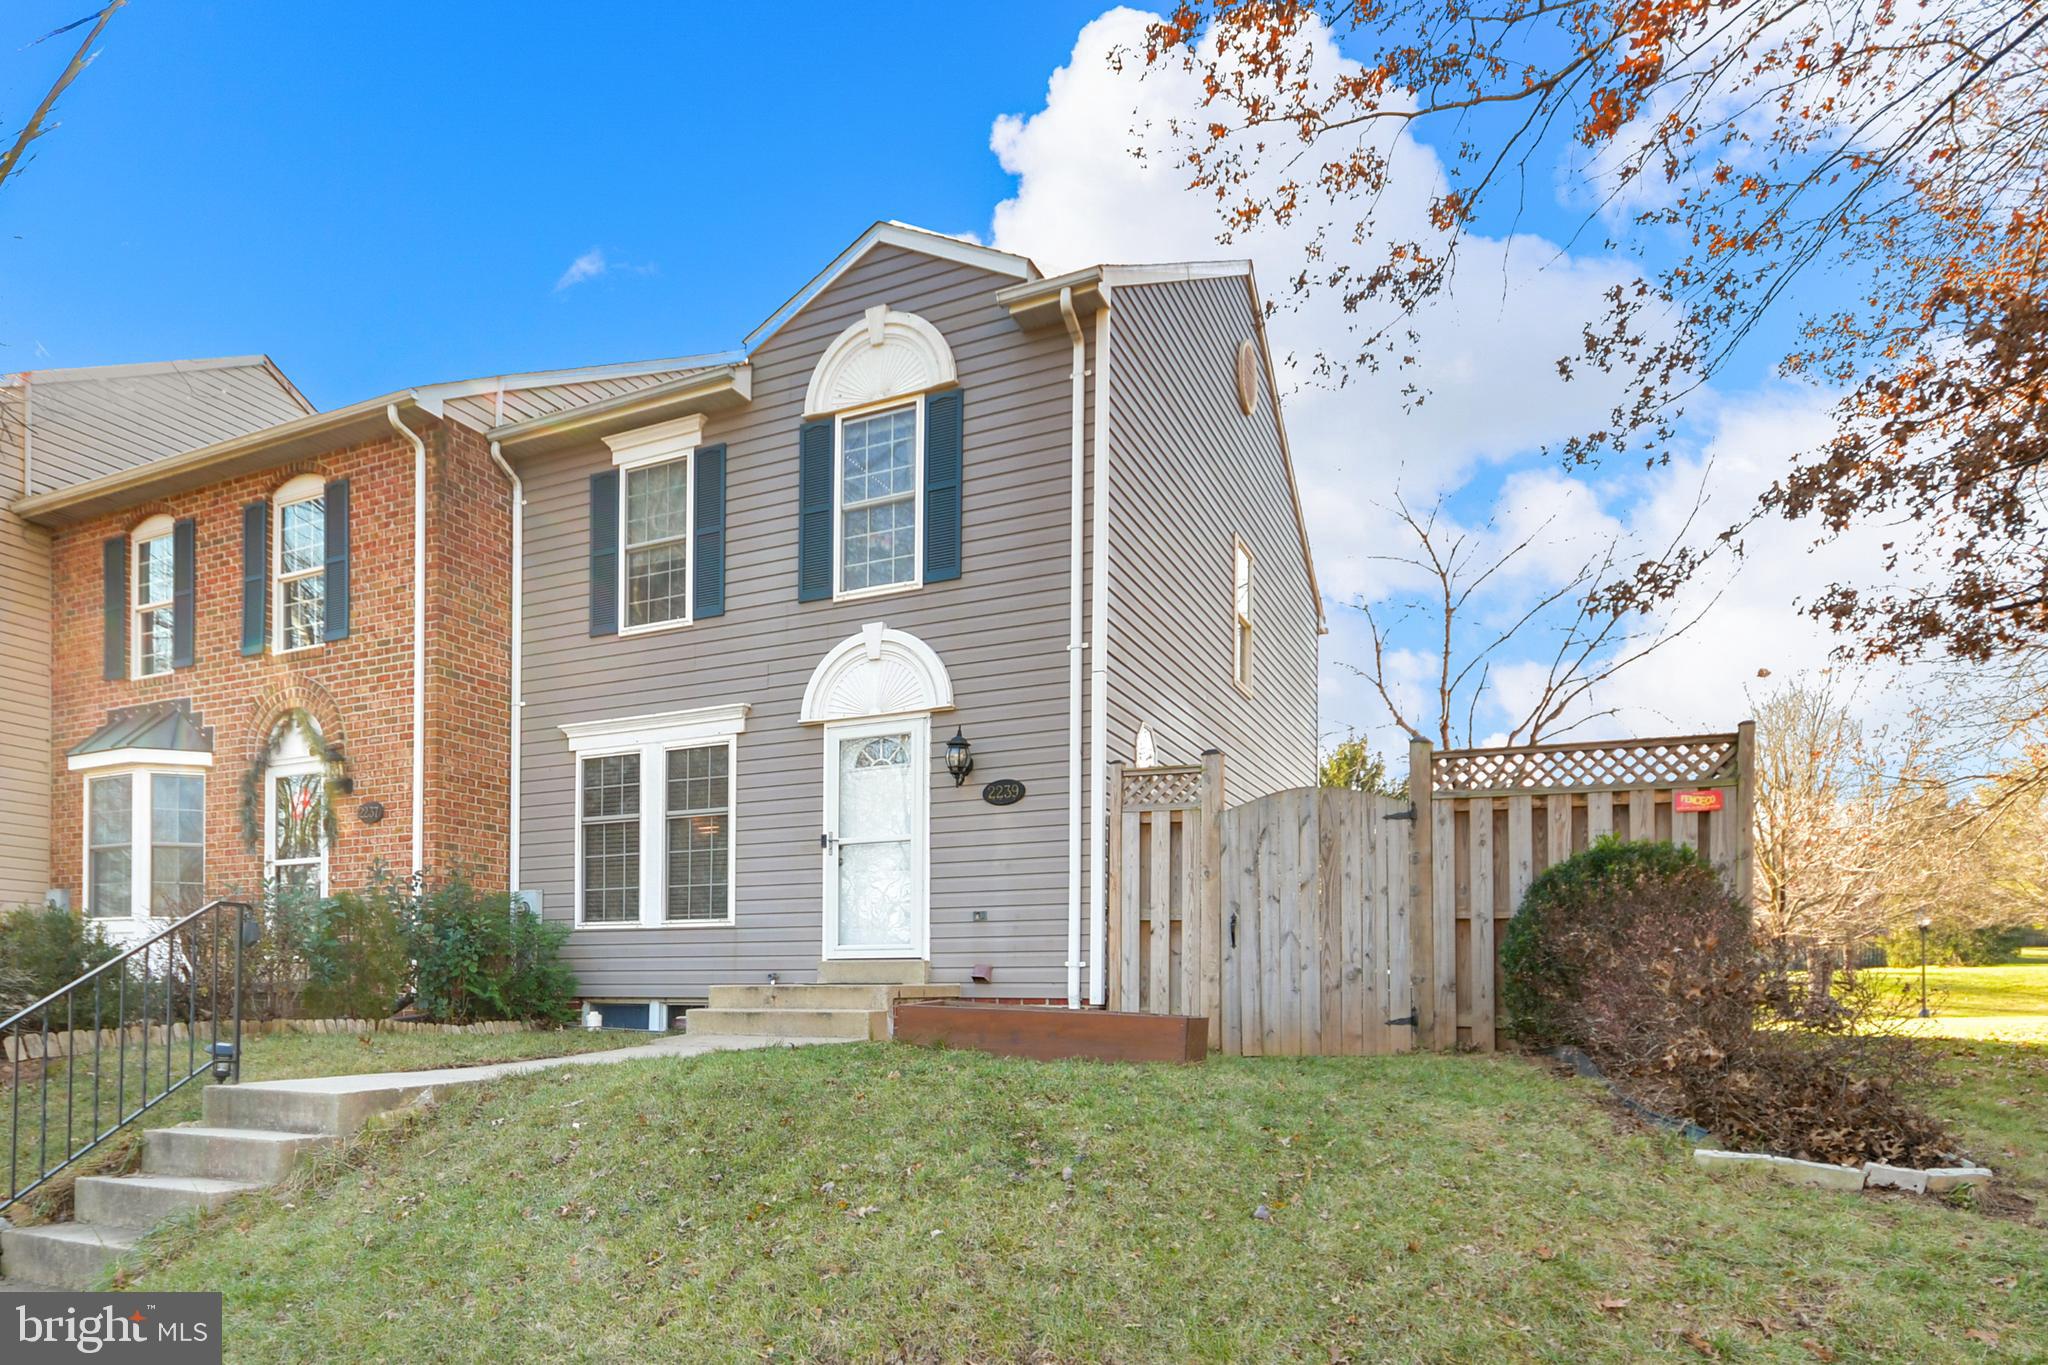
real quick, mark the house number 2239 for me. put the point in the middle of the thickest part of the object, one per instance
(1006, 792)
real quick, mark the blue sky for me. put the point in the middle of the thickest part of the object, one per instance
(379, 195)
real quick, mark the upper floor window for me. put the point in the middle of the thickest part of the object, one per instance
(878, 499)
(1241, 615)
(155, 588)
(881, 476)
(301, 566)
(657, 558)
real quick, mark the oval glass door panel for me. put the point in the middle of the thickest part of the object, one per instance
(877, 872)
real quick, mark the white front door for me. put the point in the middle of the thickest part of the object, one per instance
(876, 792)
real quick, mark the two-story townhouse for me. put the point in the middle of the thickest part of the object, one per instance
(283, 656)
(58, 428)
(942, 510)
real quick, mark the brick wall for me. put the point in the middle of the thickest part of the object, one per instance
(359, 689)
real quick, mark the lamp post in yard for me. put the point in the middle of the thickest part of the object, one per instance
(1924, 923)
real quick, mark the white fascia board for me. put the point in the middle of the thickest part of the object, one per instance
(666, 728)
(140, 758)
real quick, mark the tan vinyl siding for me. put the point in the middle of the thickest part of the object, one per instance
(1188, 472)
(1000, 629)
(25, 681)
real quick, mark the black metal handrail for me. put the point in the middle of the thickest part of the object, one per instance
(146, 981)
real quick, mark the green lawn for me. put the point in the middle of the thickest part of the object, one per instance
(2008, 1002)
(880, 1202)
(270, 1057)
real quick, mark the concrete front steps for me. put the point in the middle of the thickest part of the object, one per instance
(252, 1137)
(852, 1000)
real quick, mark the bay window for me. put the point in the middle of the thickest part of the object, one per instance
(145, 843)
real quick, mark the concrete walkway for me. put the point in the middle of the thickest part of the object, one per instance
(251, 1138)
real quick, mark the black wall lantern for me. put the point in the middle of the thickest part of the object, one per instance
(959, 757)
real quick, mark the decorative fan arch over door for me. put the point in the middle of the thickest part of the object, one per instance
(874, 695)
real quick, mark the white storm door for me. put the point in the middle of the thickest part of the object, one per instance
(876, 790)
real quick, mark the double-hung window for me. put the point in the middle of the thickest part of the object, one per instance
(155, 585)
(145, 851)
(301, 566)
(1241, 616)
(656, 563)
(655, 818)
(877, 491)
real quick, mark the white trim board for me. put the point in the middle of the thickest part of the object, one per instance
(665, 728)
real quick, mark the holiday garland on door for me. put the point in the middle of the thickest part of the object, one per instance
(333, 784)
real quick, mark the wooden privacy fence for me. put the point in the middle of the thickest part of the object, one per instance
(1321, 922)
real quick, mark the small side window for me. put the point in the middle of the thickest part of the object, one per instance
(1241, 616)
(301, 567)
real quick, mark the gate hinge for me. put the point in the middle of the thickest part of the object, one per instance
(1408, 814)
(1411, 1019)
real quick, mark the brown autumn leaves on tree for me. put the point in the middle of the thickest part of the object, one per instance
(1876, 171)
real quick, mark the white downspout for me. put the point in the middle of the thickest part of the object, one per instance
(419, 636)
(1074, 570)
(1098, 681)
(518, 641)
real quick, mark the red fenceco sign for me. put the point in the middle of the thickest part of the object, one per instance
(1710, 799)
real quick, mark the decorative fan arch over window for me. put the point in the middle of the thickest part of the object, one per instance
(879, 672)
(885, 355)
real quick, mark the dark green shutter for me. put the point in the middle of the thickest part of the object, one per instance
(707, 544)
(336, 502)
(184, 535)
(814, 512)
(114, 599)
(255, 577)
(942, 468)
(604, 553)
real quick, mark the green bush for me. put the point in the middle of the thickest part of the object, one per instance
(43, 948)
(355, 952)
(1659, 903)
(483, 955)
(1952, 945)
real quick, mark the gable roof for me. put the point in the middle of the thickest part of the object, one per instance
(70, 425)
(896, 234)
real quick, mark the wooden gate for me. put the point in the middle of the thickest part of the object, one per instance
(1326, 922)
(1315, 903)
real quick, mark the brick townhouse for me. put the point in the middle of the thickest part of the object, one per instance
(240, 667)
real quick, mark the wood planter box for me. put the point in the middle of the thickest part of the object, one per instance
(1050, 1033)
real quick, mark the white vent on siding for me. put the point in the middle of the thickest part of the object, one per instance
(1145, 753)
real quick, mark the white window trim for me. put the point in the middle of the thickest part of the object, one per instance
(290, 767)
(839, 421)
(141, 795)
(626, 470)
(159, 527)
(919, 727)
(304, 488)
(1243, 628)
(652, 737)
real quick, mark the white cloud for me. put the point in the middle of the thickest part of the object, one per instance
(588, 266)
(1489, 355)
(595, 263)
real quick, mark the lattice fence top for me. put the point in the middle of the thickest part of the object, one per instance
(1172, 788)
(1615, 765)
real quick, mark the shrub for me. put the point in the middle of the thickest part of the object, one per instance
(485, 955)
(1953, 945)
(1638, 954)
(355, 952)
(1658, 905)
(43, 948)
